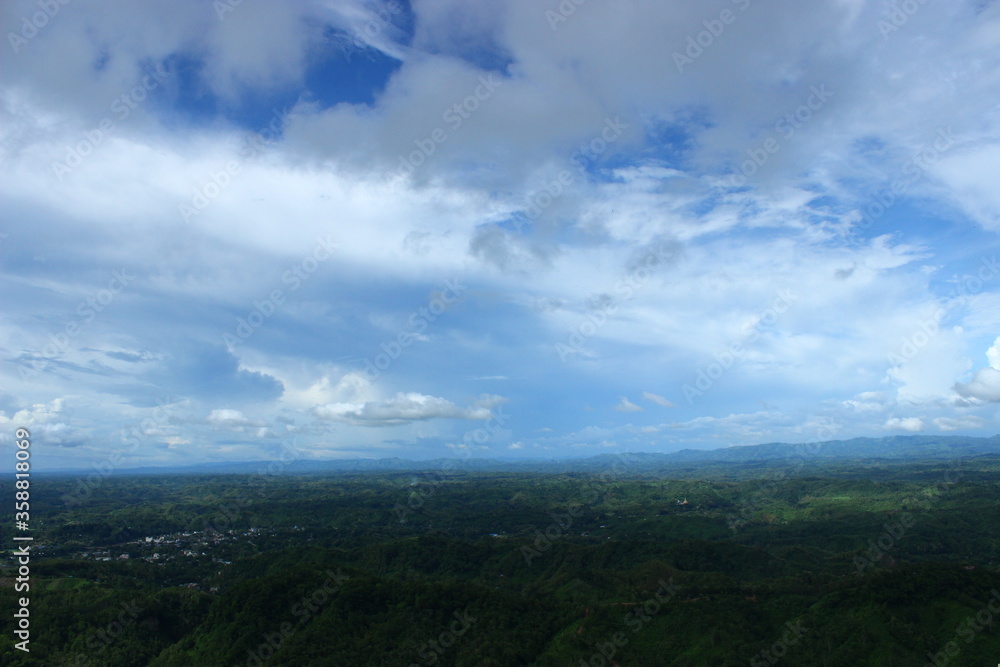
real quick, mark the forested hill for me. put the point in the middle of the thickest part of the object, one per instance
(892, 448)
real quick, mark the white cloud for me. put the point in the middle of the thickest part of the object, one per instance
(926, 360)
(659, 400)
(403, 408)
(466, 449)
(967, 174)
(985, 384)
(351, 387)
(912, 424)
(40, 413)
(47, 422)
(969, 422)
(866, 401)
(625, 405)
(228, 418)
(993, 353)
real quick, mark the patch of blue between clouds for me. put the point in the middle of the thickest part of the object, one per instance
(343, 75)
(335, 75)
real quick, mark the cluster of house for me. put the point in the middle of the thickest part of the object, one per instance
(163, 548)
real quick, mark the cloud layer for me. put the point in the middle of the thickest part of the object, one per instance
(633, 225)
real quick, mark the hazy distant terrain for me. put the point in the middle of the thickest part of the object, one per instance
(895, 448)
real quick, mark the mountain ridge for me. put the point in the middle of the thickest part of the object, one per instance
(888, 448)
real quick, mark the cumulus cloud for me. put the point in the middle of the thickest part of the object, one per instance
(911, 424)
(866, 401)
(47, 422)
(351, 387)
(403, 408)
(985, 384)
(40, 413)
(232, 419)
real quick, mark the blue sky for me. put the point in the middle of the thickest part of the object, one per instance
(463, 228)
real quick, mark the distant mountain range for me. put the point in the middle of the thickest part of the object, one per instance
(892, 448)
